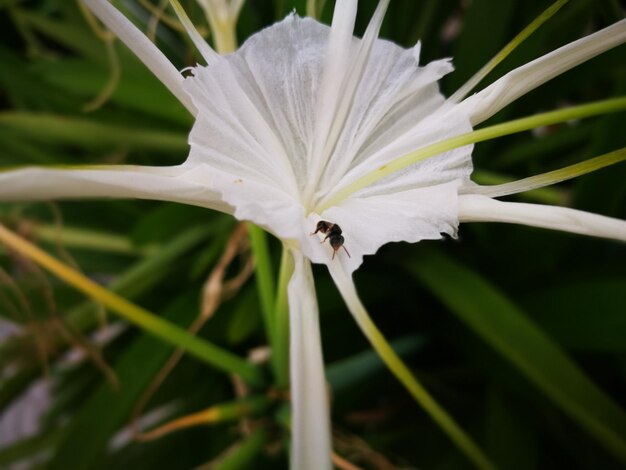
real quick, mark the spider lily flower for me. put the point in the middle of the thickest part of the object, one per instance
(294, 118)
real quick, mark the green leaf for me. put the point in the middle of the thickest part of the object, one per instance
(354, 369)
(242, 455)
(27, 448)
(136, 92)
(106, 411)
(477, 43)
(88, 133)
(244, 320)
(510, 433)
(584, 315)
(507, 329)
(264, 274)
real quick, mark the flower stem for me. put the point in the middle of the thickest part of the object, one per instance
(481, 135)
(223, 412)
(280, 352)
(149, 322)
(264, 277)
(314, 8)
(225, 34)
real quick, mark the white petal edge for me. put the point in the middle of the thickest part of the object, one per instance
(173, 184)
(310, 420)
(143, 48)
(520, 81)
(206, 51)
(476, 208)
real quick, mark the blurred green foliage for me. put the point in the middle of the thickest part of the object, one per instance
(519, 332)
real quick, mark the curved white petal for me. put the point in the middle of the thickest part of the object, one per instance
(143, 48)
(520, 81)
(124, 181)
(475, 208)
(310, 420)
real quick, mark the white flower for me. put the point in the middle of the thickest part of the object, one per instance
(295, 117)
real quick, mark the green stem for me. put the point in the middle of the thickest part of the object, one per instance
(280, 352)
(481, 135)
(234, 410)
(264, 278)
(221, 413)
(242, 455)
(315, 8)
(225, 35)
(311, 8)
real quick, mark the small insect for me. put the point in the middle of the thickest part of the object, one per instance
(333, 234)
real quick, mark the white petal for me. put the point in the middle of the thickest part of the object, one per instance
(267, 205)
(255, 128)
(343, 72)
(255, 122)
(310, 420)
(124, 181)
(143, 48)
(474, 208)
(370, 221)
(337, 53)
(256, 105)
(520, 81)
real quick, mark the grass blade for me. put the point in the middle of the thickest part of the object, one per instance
(508, 330)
